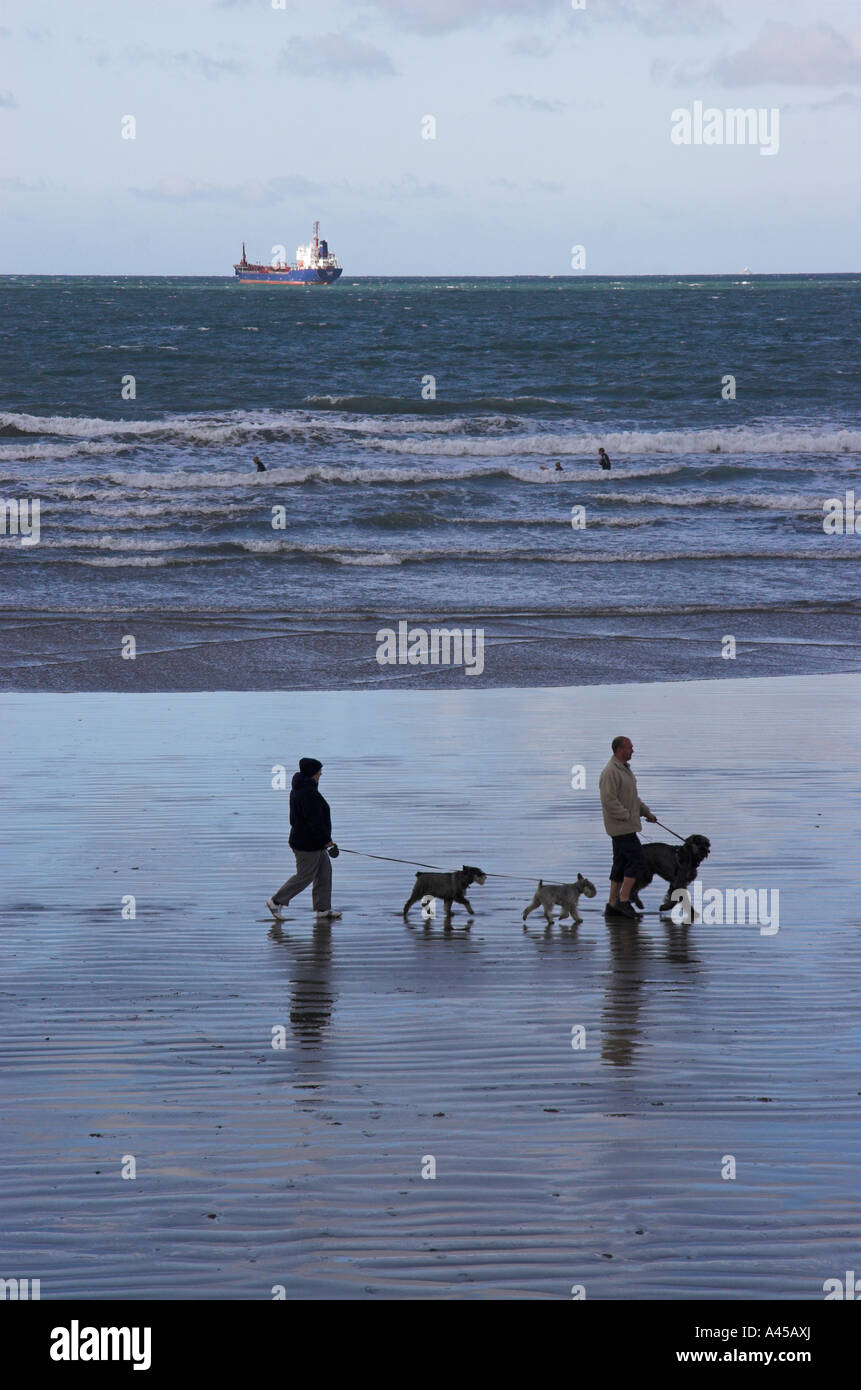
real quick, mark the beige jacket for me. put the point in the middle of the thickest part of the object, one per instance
(620, 801)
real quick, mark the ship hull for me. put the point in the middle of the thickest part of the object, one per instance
(287, 277)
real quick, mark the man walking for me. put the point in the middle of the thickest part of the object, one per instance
(311, 842)
(622, 808)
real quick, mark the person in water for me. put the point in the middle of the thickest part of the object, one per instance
(603, 458)
(261, 467)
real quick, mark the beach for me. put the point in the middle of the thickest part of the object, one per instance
(339, 651)
(296, 1168)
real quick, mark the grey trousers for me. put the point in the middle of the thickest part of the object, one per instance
(312, 866)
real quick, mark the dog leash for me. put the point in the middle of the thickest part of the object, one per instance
(667, 828)
(414, 863)
(417, 864)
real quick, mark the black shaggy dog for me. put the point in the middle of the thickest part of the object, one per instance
(678, 864)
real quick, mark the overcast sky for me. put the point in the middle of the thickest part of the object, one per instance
(553, 130)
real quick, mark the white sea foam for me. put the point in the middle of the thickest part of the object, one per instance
(128, 510)
(27, 453)
(731, 441)
(767, 501)
(131, 561)
(373, 560)
(116, 543)
(189, 553)
(246, 489)
(238, 425)
(202, 480)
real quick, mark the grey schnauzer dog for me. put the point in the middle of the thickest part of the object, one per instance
(678, 864)
(450, 888)
(564, 895)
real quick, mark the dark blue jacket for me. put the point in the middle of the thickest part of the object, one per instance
(310, 819)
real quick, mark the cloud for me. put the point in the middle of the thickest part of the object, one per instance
(650, 16)
(189, 59)
(176, 188)
(441, 16)
(292, 186)
(531, 46)
(407, 186)
(817, 55)
(22, 186)
(7, 99)
(335, 55)
(842, 101)
(536, 186)
(525, 102)
(668, 16)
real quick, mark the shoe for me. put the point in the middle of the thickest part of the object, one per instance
(328, 915)
(626, 910)
(274, 908)
(611, 910)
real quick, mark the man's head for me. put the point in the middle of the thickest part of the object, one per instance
(310, 767)
(622, 748)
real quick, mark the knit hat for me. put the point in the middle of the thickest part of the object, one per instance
(308, 766)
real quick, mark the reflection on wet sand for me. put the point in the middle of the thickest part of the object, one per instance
(631, 948)
(311, 995)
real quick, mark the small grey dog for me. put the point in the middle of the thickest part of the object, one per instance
(564, 895)
(451, 888)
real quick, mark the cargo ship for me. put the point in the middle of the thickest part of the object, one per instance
(314, 265)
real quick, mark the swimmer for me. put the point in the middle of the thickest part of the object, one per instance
(261, 467)
(603, 458)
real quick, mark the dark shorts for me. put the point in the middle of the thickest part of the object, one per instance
(628, 858)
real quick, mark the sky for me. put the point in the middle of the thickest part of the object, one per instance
(552, 130)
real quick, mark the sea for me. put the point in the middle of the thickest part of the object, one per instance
(411, 431)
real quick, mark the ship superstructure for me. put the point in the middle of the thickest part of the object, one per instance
(314, 265)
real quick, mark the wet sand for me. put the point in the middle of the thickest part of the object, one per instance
(301, 1166)
(329, 650)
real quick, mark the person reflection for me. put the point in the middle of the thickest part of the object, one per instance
(311, 995)
(620, 1030)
